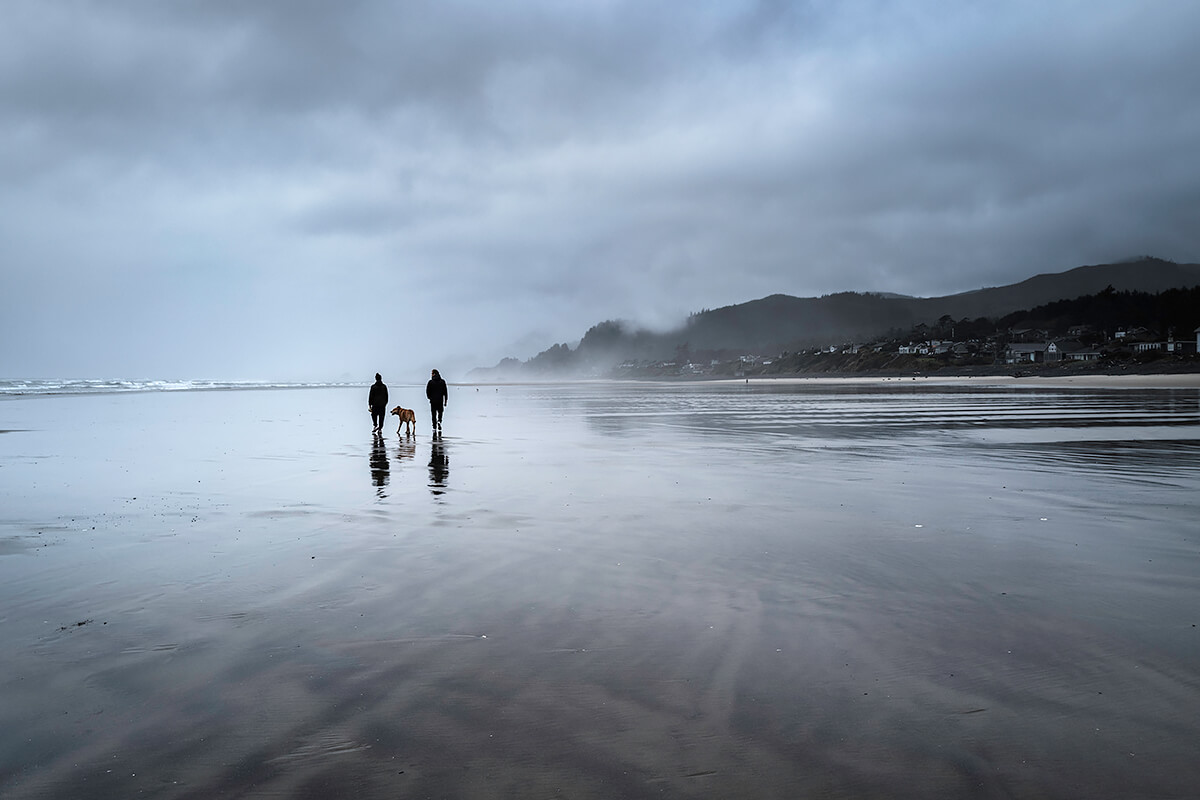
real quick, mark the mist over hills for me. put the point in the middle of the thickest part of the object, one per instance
(779, 322)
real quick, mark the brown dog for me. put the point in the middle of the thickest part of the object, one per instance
(408, 420)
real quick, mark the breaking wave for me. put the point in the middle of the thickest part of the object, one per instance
(67, 387)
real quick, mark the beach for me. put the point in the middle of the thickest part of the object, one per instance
(1179, 380)
(772, 589)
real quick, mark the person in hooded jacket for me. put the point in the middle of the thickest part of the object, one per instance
(377, 402)
(435, 390)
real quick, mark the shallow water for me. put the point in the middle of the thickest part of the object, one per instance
(602, 590)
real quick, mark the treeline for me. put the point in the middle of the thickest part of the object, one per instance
(1106, 311)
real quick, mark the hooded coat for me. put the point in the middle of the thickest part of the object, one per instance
(378, 397)
(435, 390)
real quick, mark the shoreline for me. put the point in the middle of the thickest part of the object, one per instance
(1085, 380)
(1187, 380)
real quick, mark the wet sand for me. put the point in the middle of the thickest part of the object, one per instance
(603, 591)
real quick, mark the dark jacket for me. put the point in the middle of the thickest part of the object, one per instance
(378, 396)
(435, 390)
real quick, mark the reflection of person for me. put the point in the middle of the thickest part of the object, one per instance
(377, 402)
(439, 467)
(435, 390)
(379, 466)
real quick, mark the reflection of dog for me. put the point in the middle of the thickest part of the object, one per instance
(408, 420)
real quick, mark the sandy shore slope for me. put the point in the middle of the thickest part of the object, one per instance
(1174, 381)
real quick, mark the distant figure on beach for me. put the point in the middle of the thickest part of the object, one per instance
(377, 402)
(435, 390)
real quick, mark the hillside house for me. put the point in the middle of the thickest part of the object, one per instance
(1029, 335)
(1050, 352)
(1173, 345)
(1083, 354)
(1073, 350)
(1131, 334)
(1026, 353)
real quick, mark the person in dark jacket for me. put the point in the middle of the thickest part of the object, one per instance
(377, 401)
(435, 390)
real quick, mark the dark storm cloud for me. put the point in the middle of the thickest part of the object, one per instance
(258, 183)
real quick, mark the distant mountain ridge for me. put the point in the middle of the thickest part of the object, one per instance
(779, 322)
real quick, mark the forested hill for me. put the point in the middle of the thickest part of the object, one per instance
(1149, 275)
(781, 322)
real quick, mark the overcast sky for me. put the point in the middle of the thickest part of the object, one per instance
(320, 190)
